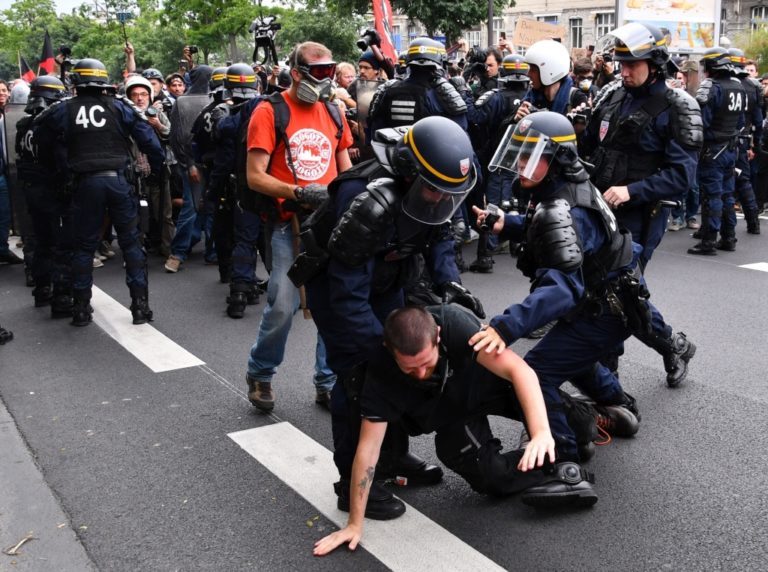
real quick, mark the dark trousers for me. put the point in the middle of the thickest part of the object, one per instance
(716, 184)
(94, 197)
(247, 227)
(52, 224)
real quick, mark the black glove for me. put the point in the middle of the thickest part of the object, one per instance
(455, 293)
(375, 37)
(313, 195)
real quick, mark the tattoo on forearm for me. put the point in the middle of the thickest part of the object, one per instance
(366, 481)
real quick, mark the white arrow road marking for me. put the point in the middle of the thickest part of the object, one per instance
(411, 542)
(761, 266)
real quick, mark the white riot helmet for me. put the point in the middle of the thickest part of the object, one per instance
(136, 81)
(552, 60)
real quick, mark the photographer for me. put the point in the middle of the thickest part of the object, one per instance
(603, 71)
(370, 44)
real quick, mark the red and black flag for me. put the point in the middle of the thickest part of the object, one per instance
(47, 63)
(25, 72)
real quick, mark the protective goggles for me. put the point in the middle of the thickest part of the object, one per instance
(319, 71)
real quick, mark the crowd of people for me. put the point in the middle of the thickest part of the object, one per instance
(357, 185)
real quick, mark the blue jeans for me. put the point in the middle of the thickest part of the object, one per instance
(191, 224)
(690, 205)
(5, 215)
(282, 302)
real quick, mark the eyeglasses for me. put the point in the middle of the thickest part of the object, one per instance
(319, 71)
(364, 68)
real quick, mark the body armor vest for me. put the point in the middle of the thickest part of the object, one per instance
(616, 251)
(96, 142)
(28, 166)
(724, 127)
(619, 160)
(404, 103)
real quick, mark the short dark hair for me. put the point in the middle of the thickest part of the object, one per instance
(496, 55)
(409, 330)
(582, 66)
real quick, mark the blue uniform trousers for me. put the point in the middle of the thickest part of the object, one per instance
(247, 227)
(716, 184)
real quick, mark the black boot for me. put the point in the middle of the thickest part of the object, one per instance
(237, 300)
(676, 357)
(252, 295)
(42, 296)
(82, 312)
(397, 462)
(482, 265)
(565, 484)
(61, 303)
(382, 505)
(7, 336)
(29, 280)
(753, 222)
(705, 247)
(726, 243)
(140, 307)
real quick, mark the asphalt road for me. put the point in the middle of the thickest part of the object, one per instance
(141, 468)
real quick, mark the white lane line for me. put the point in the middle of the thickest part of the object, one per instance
(411, 542)
(761, 266)
(158, 352)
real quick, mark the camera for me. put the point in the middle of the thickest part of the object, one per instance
(607, 58)
(369, 38)
(150, 112)
(493, 214)
(193, 49)
(351, 114)
(264, 30)
(66, 61)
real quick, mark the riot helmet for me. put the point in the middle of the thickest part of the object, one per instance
(513, 68)
(435, 155)
(402, 62)
(137, 81)
(43, 91)
(738, 61)
(241, 82)
(90, 72)
(284, 78)
(634, 42)
(216, 83)
(538, 142)
(552, 60)
(716, 60)
(426, 52)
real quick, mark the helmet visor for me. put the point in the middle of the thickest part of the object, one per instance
(527, 153)
(631, 40)
(433, 205)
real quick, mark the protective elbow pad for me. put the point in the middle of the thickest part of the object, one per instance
(449, 97)
(554, 240)
(359, 231)
(687, 124)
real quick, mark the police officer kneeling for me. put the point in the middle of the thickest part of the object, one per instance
(96, 127)
(427, 376)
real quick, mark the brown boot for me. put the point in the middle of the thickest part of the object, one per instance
(260, 394)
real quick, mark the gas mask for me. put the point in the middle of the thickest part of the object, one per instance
(316, 82)
(585, 84)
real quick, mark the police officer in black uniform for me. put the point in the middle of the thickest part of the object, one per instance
(723, 102)
(236, 204)
(643, 137)
(47, 203)
(423, 93)
(748, 140)
(96, 127)
(385, 219)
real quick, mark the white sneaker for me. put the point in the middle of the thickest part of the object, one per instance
(473, 236)
(97, 263)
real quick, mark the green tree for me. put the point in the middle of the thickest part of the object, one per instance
(338, 34)
(755, 46)
(447, 16)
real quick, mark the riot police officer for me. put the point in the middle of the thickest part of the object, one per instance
(643, 137)
(46, 202)
(723, 102)
(386, 218)
(423, 93)
(748, 140)
(585, 275)
(236, 204)
(96, 127)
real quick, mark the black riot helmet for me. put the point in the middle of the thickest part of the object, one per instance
(90, 73)
(435, 156)
(537, 143)
(241, 81)
(716, 60)
(635, 42)
(513, 68)
(43, 91)
(738, 62)
(426, 52)
(216, 83)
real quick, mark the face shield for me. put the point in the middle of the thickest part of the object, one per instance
(631, 40)
(526, 152)
(433, 205)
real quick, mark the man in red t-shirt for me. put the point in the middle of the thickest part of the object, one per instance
(317, 155)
